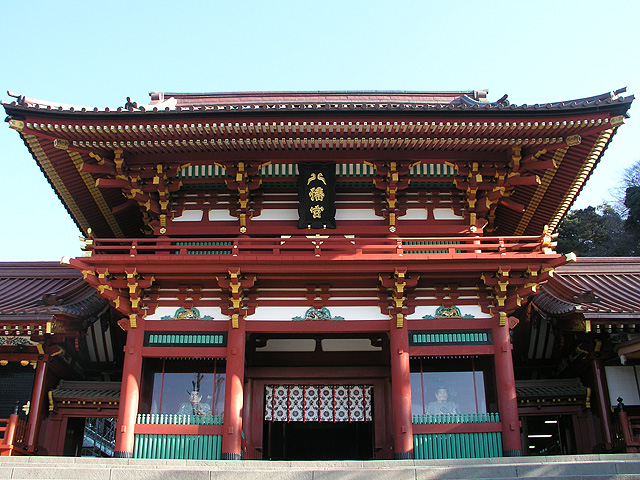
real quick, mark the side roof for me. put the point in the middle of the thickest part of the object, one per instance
(597, 288)
(40, 290)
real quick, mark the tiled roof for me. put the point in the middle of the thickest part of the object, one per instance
(248, 102)
(550, 388)
(597, 288)
(39, 289)
(73, 391)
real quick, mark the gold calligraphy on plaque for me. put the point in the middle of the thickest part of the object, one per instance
(316, 211)
(316, 194)
(313, 177)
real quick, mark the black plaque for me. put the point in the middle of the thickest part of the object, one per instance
(316, 195)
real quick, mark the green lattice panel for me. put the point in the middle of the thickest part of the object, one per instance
(466, 337)
(205, 251)
(457, 445)
(186, 447)
(162, 339)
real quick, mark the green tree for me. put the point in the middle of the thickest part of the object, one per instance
(606, 231)
(595, 232)
(632, 202)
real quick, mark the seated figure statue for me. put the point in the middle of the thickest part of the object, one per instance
(195, 405)
(442, 405)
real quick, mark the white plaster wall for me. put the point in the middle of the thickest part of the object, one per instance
(415, 214)
(190, 216)
(344, 214)
(445, 214)
(220, 215)
(277, 214)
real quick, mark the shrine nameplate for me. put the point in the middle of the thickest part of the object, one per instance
(316, 195)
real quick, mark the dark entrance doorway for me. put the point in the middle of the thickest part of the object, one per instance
(548, 435)
(318, 441)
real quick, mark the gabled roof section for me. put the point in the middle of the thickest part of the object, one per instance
(558, 143)
(597, 288)
(41, 290)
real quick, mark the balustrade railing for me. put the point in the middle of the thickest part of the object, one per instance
(456, 418)
(177, 419)
(319, 246)
(13, 432)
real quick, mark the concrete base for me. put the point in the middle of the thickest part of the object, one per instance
(512, 453)
(231, 456)
(122, 454)
(589, 467)
(403, 456)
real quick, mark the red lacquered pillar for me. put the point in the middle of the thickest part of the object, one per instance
(129, 392)
(401, 392)
(603, 401)
(506, 391)
(233, 394)
(35, 405)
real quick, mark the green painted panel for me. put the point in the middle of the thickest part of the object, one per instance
(450, 338)
(195, 339)
(190, 447)
(457, 445)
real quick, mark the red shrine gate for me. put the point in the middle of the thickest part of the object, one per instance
(324, 244)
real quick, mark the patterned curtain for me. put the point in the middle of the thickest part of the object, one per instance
(311, 403)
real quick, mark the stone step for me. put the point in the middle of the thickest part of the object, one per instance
(591, 467)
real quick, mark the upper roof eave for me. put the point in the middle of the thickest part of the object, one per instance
(286, 103)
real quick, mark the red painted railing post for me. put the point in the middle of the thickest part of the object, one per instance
(625, 427)
(10, 432)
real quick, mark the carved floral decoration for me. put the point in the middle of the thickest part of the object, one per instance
(317, 314)
(448, 312)
(187, 314)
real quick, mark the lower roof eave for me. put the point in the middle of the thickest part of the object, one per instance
(614, 316)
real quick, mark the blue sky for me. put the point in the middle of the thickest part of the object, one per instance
(98, 53)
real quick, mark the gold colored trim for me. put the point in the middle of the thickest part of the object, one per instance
(537, 197)
(616, 121)
(581, 178)
(61, 144)
(76, 158)
(16, 125)
(56, 181)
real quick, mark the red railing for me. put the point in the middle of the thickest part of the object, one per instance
(320, 246)
(14, 432)
(627, 427)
